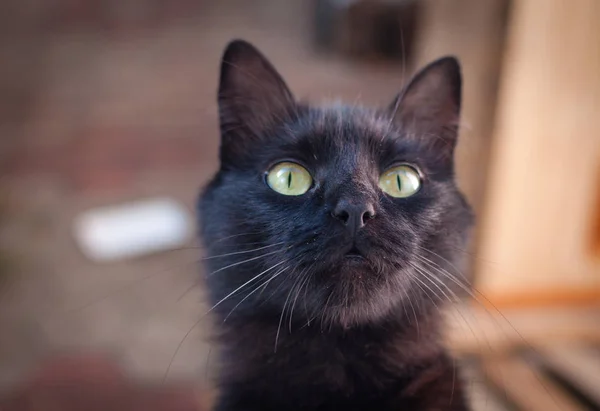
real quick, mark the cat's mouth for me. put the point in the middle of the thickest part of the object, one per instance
(354, 253)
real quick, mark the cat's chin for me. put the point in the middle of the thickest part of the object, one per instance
(358, 313)
(357, 301)
(355, 260)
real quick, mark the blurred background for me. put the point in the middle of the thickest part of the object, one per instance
(105, 102)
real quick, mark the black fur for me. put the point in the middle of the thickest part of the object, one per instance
(303, 326)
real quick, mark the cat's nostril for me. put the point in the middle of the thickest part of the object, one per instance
(353, 214)
(367, 215)
(342, 215)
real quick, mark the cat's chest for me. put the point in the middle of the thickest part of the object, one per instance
(324, 372)
(325, 365)
(329, 380)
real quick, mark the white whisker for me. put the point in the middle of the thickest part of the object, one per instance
(282, 315)
(229, 266)
(305, 277)
(245, 284)
(265, 283)
(241, 252)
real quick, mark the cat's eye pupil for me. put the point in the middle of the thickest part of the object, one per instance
(400, 182)
(289, 179)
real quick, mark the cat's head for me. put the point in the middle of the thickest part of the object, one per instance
(335, 213)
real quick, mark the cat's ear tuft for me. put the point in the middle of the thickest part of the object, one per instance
(429, 106)
(252, 95)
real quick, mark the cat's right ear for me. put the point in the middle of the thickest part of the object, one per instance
(429, 106)
(252, 97)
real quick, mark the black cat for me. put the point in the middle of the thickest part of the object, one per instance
(332, 233)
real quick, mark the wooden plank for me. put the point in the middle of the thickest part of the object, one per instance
(595, 232)
(547, 118)
(482, 399)
(479, 394)
(553, 297)
(526, 387)
(474, 330)
(474, 31)
(580, 365)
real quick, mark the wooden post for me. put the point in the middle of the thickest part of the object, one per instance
(544, 173)
(473, 30)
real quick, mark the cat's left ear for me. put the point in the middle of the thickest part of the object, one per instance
(429, 106)
(252, 97)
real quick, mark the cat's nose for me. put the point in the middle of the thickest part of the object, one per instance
(353, 215)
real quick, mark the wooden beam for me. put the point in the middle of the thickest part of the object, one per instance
(577, 363)
(474, 31)
(481, 330)
(526, 387)
(543, 178)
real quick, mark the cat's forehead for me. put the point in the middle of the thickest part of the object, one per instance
(340, 137)
(339, 121)
(348, 139)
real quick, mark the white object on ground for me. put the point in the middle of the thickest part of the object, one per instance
(132, 230)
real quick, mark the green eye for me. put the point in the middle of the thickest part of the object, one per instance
(289, 179)
(400, 182)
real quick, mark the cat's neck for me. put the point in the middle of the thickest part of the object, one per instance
(392, 340)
